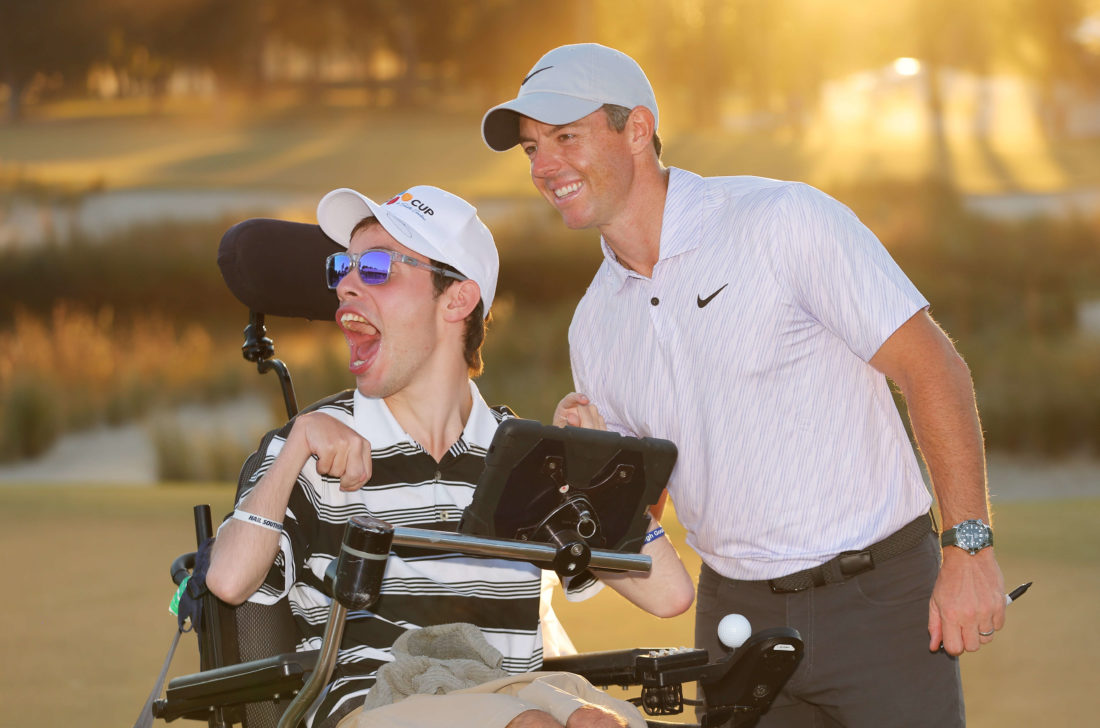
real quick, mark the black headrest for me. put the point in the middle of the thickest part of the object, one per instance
(276, 267)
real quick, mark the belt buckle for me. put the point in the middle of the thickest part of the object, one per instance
(851, 563)
(777, 588)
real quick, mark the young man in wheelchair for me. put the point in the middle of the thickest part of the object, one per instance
(406, 445)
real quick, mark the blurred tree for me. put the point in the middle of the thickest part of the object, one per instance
(227, 38)
(949, 36)
(765, 60)
(42, 37)
(316, 28)
(485, 48)
(1048, 52)
(411, 34)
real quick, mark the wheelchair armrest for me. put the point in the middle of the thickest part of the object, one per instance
(741, 686)
(638, 666)
(258, 680)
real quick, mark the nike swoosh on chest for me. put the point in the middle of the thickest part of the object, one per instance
(701, 302)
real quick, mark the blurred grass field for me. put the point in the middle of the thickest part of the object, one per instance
(287, 144)
(87, 588)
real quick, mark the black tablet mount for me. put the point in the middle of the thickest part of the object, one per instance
(568, 487)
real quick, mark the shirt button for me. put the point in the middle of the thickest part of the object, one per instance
(654, 300)
(438, 475)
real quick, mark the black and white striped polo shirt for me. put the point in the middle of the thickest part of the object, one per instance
(407, 488)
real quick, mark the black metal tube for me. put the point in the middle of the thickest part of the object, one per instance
(260, 349)
(203, 525)
(285, 383)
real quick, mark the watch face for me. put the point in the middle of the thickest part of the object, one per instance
(972, 535)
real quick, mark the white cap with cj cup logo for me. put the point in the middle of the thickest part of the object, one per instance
(426, 220)
(567, 84)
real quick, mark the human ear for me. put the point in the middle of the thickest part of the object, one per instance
(459, 300)
(640, 125)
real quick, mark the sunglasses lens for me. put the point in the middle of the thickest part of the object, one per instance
(374, 267)
(336, 267)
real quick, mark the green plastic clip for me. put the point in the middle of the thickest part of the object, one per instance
(174, 605)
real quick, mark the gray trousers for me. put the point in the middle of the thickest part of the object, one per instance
(866, 659)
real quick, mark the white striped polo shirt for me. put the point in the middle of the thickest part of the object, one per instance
(748, 348)
(420, 587)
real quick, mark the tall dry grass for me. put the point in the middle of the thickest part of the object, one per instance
(78, 368)
(124, 326)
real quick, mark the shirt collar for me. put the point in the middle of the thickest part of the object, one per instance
(374, 421)
(679, 228)
(681, 223)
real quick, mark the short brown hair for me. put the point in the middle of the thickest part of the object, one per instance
(616, 119)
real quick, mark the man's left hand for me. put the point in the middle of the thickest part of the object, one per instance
(968, 599)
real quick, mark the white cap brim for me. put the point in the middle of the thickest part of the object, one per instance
(341, 210)
(500, 125)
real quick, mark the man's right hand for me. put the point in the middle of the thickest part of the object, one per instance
(577, 410)
(341, 452)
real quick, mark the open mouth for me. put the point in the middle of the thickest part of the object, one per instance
(363, 339)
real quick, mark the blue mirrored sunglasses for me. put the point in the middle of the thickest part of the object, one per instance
(374, 266)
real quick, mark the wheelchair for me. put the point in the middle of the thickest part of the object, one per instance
(250, 673)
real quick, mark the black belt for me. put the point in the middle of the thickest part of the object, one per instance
(848, 564)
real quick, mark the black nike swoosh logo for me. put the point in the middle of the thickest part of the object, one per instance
(534, 73)
(704, 301)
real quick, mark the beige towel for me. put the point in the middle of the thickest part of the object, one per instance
(435, 660)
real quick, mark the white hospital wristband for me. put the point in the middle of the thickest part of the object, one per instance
(258, 521)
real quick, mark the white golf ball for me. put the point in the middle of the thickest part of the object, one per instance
(733, 630)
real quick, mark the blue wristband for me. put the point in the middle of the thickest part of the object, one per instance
(655, 534)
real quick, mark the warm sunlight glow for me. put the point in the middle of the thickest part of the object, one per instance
(907, 66)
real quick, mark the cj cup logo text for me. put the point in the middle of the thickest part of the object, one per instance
(418, 204)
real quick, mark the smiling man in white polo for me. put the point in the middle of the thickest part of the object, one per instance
(755, 323)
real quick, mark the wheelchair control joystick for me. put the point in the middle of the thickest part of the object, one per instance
(362, 562)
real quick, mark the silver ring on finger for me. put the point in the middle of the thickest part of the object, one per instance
(987, 634)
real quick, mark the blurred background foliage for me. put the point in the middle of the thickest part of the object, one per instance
(775, 55)
(910, 112)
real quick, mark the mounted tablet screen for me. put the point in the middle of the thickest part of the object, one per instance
(539, 479)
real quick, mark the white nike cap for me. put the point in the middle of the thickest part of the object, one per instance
(426, 220)
(569, 83)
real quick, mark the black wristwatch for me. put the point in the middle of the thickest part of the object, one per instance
(971, 535)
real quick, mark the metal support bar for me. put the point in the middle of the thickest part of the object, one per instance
(326, 661)
(539, 553)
